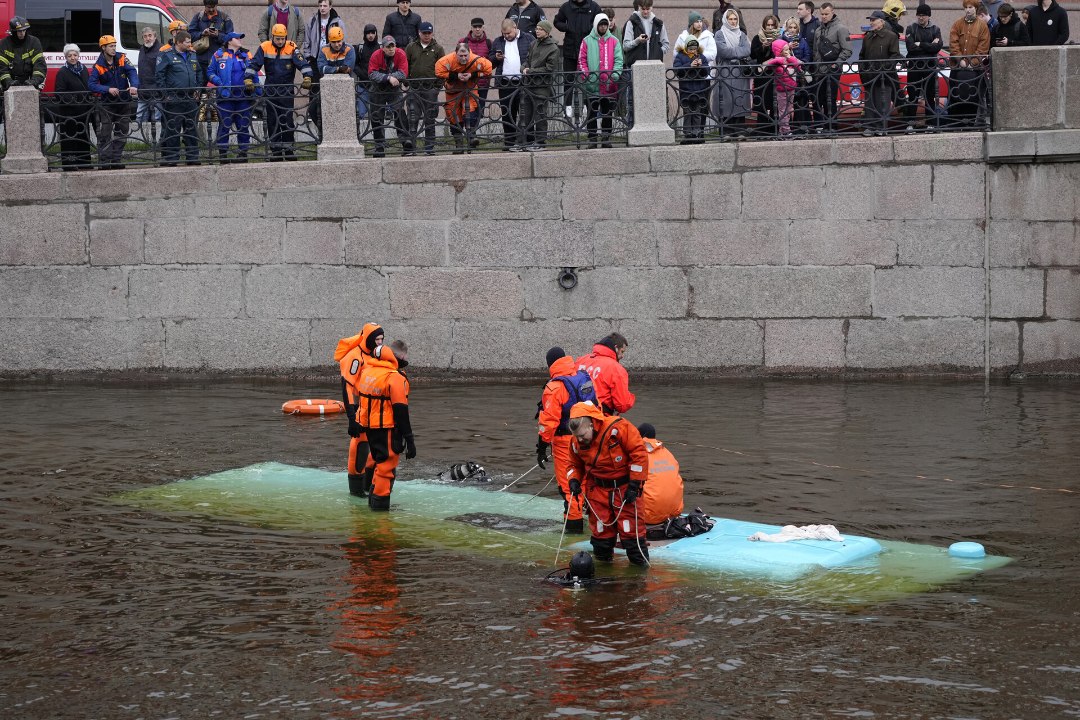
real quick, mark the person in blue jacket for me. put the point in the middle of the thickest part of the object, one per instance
(179, 78)
(235, 101)
(279, 59)
(116, 82)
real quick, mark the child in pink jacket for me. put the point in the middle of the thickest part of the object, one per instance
(785, 67)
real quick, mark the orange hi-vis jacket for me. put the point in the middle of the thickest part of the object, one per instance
(350, 354)
(555, 397)
(616, 454)
(461, 95)
(610, 380)
(382, 386)
(662, 497)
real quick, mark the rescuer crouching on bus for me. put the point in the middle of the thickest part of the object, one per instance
(608, 460)
(384, 413)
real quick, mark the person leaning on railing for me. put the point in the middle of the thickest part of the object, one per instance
(236, 102)
(388, 70)
(538, 87)
(70, 110)
(22, 61)
(923, 41)
(279, 59)
(830, 49)
(179, 77)
(116, 84)
(461, 72)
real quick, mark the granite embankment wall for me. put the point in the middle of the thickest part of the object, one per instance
(911, 253)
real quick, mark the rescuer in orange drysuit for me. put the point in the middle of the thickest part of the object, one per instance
(351, 353)
(384, 413)
(610, 380)
(461, 72)
(662, 498)
(567, 386)
(608, 459)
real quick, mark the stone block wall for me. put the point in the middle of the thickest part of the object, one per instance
(879, 254)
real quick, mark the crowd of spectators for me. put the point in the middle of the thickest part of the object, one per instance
(785, 78)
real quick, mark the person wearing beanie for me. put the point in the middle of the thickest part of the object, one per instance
(662, 498)
(610, 380)
(923, 41)
(574, 21)
(365, 49)
(538, 74)
(609, 465)
(786, 69)
(350, 354)
(567, 385)
(692, 72)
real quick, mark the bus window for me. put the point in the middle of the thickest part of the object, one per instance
(49, 30)
(84, 29)
(134, 19)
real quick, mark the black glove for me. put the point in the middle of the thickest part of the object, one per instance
(454, 76)
(355, 428)
(541, 453)
(632, 493)
(575, 487)
(410, 447)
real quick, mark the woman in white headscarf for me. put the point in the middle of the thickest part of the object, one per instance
(733, 96)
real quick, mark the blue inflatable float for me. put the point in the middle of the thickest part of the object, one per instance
(515, 526)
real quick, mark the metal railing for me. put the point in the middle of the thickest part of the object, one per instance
(193, 126)
(222, 125)
(513, 114)
(752, 101)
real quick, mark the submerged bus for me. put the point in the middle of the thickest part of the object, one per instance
(59, 22)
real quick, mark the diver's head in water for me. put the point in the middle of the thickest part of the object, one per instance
(581, 566)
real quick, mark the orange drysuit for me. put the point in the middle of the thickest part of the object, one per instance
(610, 380)
(614, 462)
(662, 497)
(384, 413)
(553, 429)
(350, 355)
(461, 95)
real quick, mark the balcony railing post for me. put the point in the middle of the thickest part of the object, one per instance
(22, 121)
(337, 100)
(650, 105)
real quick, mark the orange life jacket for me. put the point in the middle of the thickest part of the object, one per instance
(381, 387)
(662, 497)
(616, 453)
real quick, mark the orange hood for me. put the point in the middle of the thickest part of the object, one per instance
(382, 357)
(566, 365)
(361, 339)
(586, 409)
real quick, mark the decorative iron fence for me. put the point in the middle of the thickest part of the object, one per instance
(429, 116)
(880, 98)
(193, 126)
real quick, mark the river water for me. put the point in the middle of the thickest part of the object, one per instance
(112, 611)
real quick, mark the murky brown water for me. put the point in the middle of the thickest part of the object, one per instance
(113, 612)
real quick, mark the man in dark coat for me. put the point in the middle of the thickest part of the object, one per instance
(575, 20)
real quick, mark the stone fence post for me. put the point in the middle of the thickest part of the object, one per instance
(22, 123)
(337, 98)
(1036, 104)
(650, 105)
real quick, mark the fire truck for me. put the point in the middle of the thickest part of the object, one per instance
(59, 22)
